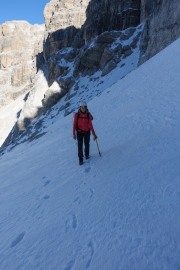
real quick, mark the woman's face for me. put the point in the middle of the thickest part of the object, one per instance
(83, 108)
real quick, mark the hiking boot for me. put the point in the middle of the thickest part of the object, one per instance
(81, 162)
(87, 157)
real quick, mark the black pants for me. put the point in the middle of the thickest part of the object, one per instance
(83, 136)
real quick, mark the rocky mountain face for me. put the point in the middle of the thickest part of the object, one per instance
(79, 39)
(20, 44)
(75, 23)
(108, 15)
(63, 21)
(162, 26)
(161, 19)
(65, 29)
(62, 14)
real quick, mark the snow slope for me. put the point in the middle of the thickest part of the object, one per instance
(117, 212)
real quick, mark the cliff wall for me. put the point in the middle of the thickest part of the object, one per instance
(161, 20)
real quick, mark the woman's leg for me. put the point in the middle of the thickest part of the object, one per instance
(87, 143)
(80, 146)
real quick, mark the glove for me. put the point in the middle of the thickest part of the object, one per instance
(74, 137)
(95, 137)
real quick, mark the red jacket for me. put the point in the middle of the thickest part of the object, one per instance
(83, 123)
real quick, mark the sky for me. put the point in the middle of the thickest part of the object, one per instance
(117, 211)
(30, 10)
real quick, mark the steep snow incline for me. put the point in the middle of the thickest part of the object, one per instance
(120, 211)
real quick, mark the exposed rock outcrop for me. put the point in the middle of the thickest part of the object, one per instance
(105, 52)
(63, 20)
(20, 44)
(71, 23)
(65, 13)
(65, 29)
(162, 25)
(52, 96)
(108, 15)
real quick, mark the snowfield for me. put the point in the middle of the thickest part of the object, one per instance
(120, 211)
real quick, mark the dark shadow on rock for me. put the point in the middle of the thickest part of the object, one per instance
(55, 41)
(26, 97)
(61, 39)
(39, 61)
(51, 99)
(18, 114)
(110, 15)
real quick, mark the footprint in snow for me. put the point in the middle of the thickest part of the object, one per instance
(18, 239)
(69, 265)
(77, 200)
(71, 223)
(46, 197)
(47, 183)
(91, 192)
(91, 247)
(87, 169)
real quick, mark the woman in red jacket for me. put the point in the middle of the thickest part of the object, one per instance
(81, 130)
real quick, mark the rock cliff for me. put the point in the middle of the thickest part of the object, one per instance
(71, 23)
(21, 47)
(20, 44)
(63, 19)
(65, 29)
(162, 25)
(108, 15)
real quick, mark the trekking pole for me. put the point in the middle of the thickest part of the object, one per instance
(98, 147)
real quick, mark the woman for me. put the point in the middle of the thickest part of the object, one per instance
(81, 130)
